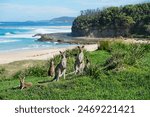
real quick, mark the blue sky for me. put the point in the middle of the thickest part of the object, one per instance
(24, 10)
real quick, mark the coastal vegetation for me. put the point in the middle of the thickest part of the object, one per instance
(127, 21)
(118, 70)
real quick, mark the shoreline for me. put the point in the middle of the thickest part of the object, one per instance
(47, 53)
(40, 54)
(68, 38)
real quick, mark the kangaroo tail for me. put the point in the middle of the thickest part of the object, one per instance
(71, 73)
(54, 78)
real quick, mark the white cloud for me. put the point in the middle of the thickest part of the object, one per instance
(46, 11)
(10, 11)
(32, 8)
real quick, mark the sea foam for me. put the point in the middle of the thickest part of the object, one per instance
(21, 38)
(8, 41)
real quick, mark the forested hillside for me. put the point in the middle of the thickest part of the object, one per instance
(129, 20)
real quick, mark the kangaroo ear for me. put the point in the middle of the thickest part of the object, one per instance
(21, 79)
(87, 60)
(51, 61)
(75, 55)
(83, 46)
(67, 56)
(60, 52)
(78, 46)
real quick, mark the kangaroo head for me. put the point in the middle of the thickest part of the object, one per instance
(81, 48)
(22, 80)
(52, 62)
(63, 54)
(87, 60)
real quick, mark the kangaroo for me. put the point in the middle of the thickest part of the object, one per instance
(51, 71)
(79, 62)
(24, 84)
(87, 65)
(60, 69)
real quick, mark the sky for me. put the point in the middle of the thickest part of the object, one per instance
(34, 10)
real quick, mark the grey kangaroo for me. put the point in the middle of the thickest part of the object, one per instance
(60, 69)
(51, 71)
(79, 62)
(24, 84)
(87, 64)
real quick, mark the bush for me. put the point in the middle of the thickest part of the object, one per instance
(135, 52)
(37, 71)
(2, 71)
(122, 55)
(104, 45)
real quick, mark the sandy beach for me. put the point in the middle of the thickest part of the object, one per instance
(43, 54)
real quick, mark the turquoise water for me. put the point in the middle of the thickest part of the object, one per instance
(16, 38)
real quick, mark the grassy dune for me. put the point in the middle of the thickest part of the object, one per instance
(117, 71)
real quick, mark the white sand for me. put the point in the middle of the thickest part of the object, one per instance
(43, 54)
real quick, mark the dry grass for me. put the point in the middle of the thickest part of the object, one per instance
(12, 68)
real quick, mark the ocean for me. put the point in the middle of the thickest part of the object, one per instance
(17, 38)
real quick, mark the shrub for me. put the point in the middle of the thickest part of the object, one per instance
(135, 52)
(104, 45)
(96, 71)
(37, 71)
(2, 71)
